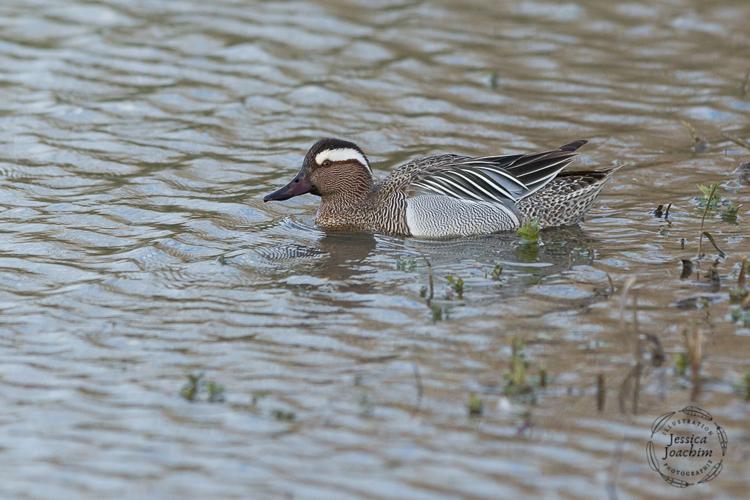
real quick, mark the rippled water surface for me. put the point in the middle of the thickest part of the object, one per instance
(138, 138)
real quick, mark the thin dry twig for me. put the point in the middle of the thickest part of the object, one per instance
(694, 346)
(601, 392)
(418, 381)
(629, 282)
(742, 279)
(703, 219)
(740, 142)
(430, 282)
(693, 132)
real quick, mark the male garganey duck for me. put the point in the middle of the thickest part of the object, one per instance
(446, 195)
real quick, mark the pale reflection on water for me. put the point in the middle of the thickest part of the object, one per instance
(138, 139)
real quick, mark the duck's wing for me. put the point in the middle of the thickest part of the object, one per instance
(500, 179)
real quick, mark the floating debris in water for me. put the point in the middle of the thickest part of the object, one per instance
(697, 302)
(662, 212)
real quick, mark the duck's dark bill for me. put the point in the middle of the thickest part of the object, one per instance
(298, 186)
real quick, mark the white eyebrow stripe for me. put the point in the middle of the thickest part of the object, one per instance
(341, 155)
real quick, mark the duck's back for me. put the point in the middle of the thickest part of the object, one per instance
(450, 195)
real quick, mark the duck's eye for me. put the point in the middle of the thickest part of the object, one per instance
(326, 163)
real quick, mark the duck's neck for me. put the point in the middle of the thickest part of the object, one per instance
(346, 205)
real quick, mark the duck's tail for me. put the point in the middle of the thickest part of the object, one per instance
(566, 199)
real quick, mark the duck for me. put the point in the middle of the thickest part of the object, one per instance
(446, 195)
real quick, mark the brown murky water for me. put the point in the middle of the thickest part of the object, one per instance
(138, 138)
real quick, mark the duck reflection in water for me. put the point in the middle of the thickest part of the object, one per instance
(352, 262)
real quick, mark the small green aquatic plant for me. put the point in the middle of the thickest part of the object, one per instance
(215, 392)
(711, 200)
(729, 212)
(283, 415)
(190, 390)
(515, 377)
(680, 364)
(406, 265)
(529, 231)
(197, 386)
(496, 272)
(708, 198)
(519, 384)
(440, 312)
(475, 406)
(457, 285)
(741, 316)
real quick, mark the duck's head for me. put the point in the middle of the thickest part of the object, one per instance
(331, 166)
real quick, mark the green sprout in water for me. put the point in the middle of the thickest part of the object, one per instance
(475, 406)
(283, 415)
(518, 383)
(197, 385)
(708, 197)
(529, 232)
(190, 390)
(711, 200)
(680, 364)
(729, 212)
(439, 313)
(215, 392)
(517, 371)
(496, 272)
(457, 284)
